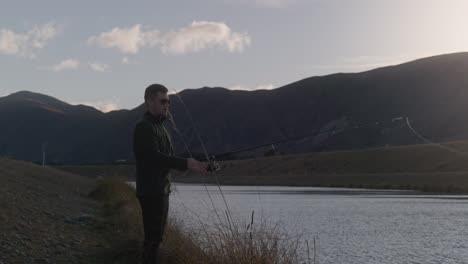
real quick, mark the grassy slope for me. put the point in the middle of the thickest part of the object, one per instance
(39, 208)
(48, 216)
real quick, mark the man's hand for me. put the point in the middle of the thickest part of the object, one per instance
(197, 166)
(213, 166)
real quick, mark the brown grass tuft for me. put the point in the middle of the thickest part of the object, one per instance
(257, 242)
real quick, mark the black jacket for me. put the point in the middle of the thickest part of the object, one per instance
(153, 151)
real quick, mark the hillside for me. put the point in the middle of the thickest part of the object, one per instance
(45, 215)
(432, 92)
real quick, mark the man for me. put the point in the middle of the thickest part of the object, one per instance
(154, 159)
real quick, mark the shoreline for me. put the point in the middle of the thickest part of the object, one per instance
(422, 167)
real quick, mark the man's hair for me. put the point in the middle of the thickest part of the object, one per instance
(153, 90)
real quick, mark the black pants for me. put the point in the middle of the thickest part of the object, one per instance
(154, 210)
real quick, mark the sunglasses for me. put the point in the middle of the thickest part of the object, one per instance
(165, 101)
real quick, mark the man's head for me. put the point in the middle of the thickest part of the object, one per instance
(157, 100)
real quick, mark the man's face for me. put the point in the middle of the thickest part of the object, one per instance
(159, 105)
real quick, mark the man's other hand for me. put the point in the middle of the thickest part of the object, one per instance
(197, 166)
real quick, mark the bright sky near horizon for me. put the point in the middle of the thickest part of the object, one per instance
(104, 53)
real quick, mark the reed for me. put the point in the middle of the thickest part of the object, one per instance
(193, 241)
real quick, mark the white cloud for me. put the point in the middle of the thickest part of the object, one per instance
(103, 105)
(366, 62)
(369, 62)
(267, 3)
(99, 67)
(258, 87)
(4, 93)
(24, 44)
(201, 35)
(197, 36)
(74, 64)
(127, 61)
(68, 64)
(126, 40)
(273, 3)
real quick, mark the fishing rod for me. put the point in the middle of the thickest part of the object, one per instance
(213, 166)
(333, 131)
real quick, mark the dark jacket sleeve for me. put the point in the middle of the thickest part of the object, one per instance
(146, 147)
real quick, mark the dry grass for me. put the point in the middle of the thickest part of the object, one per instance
(121, 221)
(223, 242)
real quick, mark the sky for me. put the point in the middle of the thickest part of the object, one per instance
(105, 53)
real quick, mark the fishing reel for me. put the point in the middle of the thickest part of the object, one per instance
(213, 166)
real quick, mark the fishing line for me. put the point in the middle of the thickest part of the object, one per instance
(332, 132)
(171, 118)
(228, 211)
(424, 139)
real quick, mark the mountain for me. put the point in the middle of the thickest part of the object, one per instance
(432, 92)
(29, 120)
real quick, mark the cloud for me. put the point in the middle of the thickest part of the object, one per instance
(74, 64)
(68, 64)
(267, 3)
(4, 93)
(197, 36)
(370, 62)
(126, 40)
(103, 105)
(258, 87)
(273, 3)
(366, 62)
(99, 67)
(127, 61)
(204, 34)
(24, 44)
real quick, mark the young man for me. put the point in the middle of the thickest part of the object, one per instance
(154, 157)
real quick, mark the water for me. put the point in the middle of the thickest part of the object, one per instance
(349, 225)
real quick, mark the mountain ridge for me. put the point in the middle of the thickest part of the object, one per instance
(430, 91)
